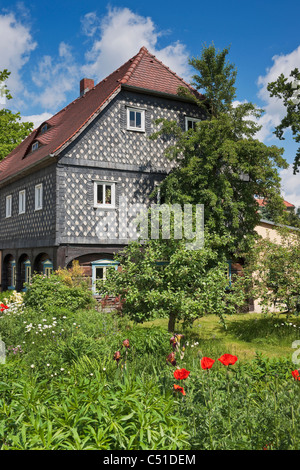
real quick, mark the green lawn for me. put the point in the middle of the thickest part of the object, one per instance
(246, 334)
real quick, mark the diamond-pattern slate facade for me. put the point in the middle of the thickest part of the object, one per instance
(69, 225)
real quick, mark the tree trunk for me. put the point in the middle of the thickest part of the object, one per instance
(171, 325)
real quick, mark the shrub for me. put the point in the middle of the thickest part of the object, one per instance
(44, 292)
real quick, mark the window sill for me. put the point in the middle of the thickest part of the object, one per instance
(105, 206)
(134, 129)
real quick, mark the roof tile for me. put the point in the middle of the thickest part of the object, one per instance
(144, 71)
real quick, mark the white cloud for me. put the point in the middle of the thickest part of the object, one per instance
(90, 23)
(54, 77)
(290, 186)
(274, 109)
(16, 44)
(37, 119)
(119, 36)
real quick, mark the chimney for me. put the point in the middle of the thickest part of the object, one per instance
(86, 84)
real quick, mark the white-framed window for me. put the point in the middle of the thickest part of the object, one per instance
(104, 194)
(22, 201)
(136, 119)
(99, 271)
(8, 206)
(38, 199)
(34, 146)
(190, 122)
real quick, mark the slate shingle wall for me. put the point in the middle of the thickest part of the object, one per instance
(34, 227)
(107, 151)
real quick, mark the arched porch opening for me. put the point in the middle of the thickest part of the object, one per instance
(9, 273)
(43, 264)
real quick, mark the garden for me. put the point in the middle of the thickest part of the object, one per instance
(80, 377)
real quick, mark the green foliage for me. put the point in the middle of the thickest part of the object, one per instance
(83, 413)
(220, 163)
(52, 292)
(12, 131)
(287, 90)
(275, 267)
(65, 391)
(190, 283)
(216, 78)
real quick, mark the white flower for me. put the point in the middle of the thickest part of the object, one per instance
(62, 368)
(48, 365)
(32, 366)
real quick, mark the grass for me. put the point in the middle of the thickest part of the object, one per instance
(245, 334)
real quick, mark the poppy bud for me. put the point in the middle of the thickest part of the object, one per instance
(126, 343)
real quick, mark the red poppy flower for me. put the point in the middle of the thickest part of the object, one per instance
(228, 359)
(3, 307)
(181, 374)
(126, 343)
(207, 362)
(177, 388)
(171, 359)
(295, 374)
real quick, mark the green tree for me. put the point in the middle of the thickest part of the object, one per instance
(288, 90)
(12, 130)
(216, 78)
(163, 279)
(272, 272)
(220, 163)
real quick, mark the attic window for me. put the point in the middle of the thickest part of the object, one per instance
(44, 128)
(34, 146)
(136, 119)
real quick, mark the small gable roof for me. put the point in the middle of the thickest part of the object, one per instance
(143, 71)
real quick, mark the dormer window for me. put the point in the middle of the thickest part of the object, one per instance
(44, 128)
(34, 146)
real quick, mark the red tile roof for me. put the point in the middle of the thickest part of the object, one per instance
(143, 71)
(263, 202)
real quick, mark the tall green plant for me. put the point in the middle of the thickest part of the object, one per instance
(165, 280)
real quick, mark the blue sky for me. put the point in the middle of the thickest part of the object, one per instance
(50, 46)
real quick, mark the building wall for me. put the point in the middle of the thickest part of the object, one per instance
(269, 231)
(107, 151)
(33, 228)
(69, 226)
